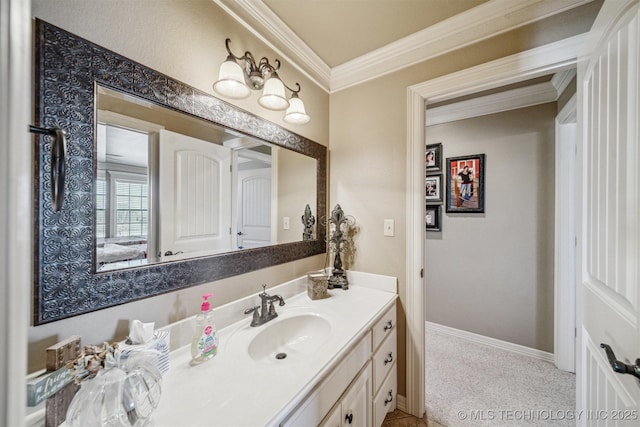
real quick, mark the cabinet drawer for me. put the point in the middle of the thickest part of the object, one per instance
(384, 327)
(385, 400)
(384, 359)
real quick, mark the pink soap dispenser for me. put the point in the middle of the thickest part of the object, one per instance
(205, 338)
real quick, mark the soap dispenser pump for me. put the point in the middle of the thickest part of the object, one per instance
(205, 338)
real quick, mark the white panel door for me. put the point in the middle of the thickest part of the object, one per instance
(195, 194)
(609, 238)
(254, 208)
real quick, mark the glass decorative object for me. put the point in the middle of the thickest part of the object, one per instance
(123, 395)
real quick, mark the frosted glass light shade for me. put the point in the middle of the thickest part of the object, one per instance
(231, 81)
(273, 96)
(296, 113)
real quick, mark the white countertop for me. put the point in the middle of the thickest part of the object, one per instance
(232, 389)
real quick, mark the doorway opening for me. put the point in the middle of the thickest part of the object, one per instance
(526, 65)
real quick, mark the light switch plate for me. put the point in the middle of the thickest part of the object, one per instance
(389, 227)
(285, 223)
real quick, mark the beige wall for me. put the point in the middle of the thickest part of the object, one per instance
(296, 177)
(492, 273)
(368, 146)
(185, 40)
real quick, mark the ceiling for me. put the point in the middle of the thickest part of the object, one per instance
(341, 43)
(361, 26)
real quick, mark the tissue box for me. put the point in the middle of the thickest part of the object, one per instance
(159, 343)
(317, 283)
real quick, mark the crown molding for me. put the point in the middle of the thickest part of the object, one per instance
(262, 22)
(479, 23)
(523, 97)
(528, 96)
(562, 79)
(482, 22)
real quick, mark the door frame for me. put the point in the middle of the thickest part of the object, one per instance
(16, 222)
(529, 64)
(565, 237)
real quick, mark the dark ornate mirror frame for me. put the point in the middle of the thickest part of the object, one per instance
(67, 69)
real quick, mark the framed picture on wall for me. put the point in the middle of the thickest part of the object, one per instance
(433, 158)
(465, 184)
(433, 218)
(433, 189)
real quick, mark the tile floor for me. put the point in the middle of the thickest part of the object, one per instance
(398, 418)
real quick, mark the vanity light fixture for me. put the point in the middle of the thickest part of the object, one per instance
(237, 82)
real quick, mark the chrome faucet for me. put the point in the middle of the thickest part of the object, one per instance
(265, 314)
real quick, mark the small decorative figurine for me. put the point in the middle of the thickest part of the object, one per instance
(339, 241)
(308, 220)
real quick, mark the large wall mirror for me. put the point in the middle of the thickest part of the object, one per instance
(166, 187)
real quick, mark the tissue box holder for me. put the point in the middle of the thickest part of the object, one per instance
(317, 284)
(159, 343)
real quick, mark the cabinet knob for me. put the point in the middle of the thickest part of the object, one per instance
(389, 399)
(389, 359)
(349, 417)
(388, 326)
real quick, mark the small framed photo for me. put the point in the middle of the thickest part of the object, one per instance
(465, 184)
(433, 158)
(433, 189)
(433, 218)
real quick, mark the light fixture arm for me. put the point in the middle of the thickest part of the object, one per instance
(236, 80)
(291, 90)
(256, 73)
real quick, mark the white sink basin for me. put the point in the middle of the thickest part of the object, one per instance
(289, 339)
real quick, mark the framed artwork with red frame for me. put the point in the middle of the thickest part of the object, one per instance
(465, 184)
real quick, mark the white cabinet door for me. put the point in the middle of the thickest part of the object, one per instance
(609, 242)
(334, 418)
(354, 409)
(356, 402)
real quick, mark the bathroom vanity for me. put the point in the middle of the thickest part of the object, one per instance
(329, 362)
(320, 362)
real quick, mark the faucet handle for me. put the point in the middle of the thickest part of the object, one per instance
(256, 316)
(252, 309)
(264, 288)
(272, 309)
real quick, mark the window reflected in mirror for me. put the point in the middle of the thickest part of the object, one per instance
(122, 196)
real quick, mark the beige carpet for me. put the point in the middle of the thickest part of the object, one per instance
(471, 384)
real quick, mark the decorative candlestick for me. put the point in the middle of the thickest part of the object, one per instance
(308, 220)
(339, 224)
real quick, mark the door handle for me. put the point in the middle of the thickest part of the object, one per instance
(170, 253)
(621, 367)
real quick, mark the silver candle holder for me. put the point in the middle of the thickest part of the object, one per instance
(339, 224)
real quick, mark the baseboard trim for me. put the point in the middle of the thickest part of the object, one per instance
(401, 403)
(492, 342)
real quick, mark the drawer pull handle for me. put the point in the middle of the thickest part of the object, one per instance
(389, 359)
(388, 326)
(349, 418)
(389, 399)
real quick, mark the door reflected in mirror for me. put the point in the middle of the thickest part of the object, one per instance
(170, 186)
